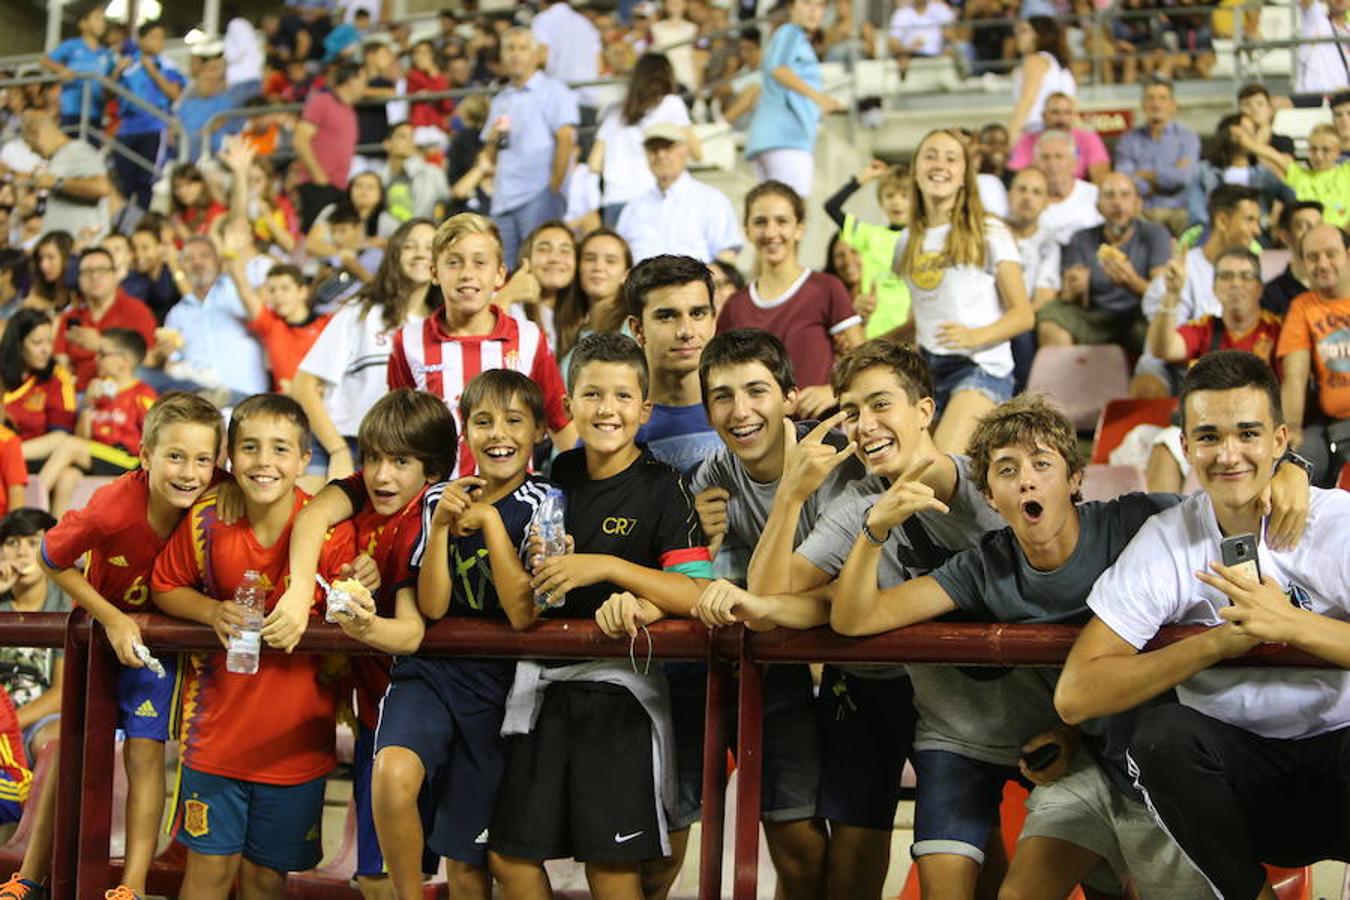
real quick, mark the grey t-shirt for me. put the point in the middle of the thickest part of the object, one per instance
(750, 503)
(979, 714)
(1148, 247)
(75, 159)
(996, 582)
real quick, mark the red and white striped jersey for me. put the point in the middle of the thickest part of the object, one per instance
(429, 359)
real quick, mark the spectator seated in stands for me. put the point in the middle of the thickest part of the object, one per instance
(413, 187)
(1247, 766)
(1041, 259)
(1325, 178)
(1073, 202)
(1340, 117)
(216, 349)
(919, 29)
(1243, 325)
(680, 215)
(1296, 220)
(1091, 161)
(1314, 343)
(102, 305)
(150, 279)
(1235, 221)
(107, 438)
(192, 205)
(1160, 155)
(1229, 162)
(1254, 103)
(1107, 269)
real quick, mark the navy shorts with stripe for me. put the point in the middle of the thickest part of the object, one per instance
(867, 731)
(146, 703)
(449, 712)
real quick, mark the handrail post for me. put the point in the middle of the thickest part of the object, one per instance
(70, 757)
(749, 772)
(714, 775)
(96, 786)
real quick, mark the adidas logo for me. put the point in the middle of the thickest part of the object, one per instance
(482, 838)
(118, 561)
(147, 710)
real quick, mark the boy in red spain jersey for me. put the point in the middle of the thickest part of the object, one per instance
(122, 529)
(107, 438)
(470, 334)
(407, 442)
(256, 748)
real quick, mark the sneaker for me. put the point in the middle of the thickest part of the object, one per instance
(121, 892)
(21, 889)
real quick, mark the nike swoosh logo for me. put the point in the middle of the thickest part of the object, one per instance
(625, 838)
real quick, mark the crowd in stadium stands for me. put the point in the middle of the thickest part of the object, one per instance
(371, 342)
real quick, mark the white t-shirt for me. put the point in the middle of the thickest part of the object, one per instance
(243, 52)
(351, 357)
(1057, 80)
(1153, 584)
(907, 24)
(1074, 213)
(993, 194)
(573, 46)
(1197, 294)
(625, 170)
(1322, 67)
(677, 31)
(1040, 254)
(966, 295)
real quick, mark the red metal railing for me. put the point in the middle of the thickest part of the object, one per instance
(84, 795)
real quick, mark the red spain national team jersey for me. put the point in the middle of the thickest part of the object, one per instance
(429, 359)
(389, 541)
(118, 420)
(285, 344)
(275, 726)
(114, 530)
(13, 470)
(37, 407)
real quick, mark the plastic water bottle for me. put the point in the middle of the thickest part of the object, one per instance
(549, 519)
(242, 655)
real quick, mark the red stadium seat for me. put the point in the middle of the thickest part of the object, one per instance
(1120, 416)
(1109, 482)
(1080, 380)
(1344, 482)
(1291, 884)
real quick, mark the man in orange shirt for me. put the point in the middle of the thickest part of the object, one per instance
(1316, 339)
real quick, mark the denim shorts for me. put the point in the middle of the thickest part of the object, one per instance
(953, 373)
(957, 806)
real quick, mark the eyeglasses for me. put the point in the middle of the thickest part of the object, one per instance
(91, 271)
(1236, 276)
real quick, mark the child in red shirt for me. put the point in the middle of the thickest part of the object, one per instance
(407, 442)
(257, 747)
(107, 438)
(280, 317)
(121, 531)
(470, 334)
(428, 117)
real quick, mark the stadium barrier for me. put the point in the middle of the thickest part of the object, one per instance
(81, 865)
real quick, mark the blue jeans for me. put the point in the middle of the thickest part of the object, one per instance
(516, 224)
(953, 373)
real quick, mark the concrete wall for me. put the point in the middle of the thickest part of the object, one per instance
(22, 26)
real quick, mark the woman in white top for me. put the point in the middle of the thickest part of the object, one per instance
(617, 155)
(964, 273)
(674, 29)
(345, 371)
(1045, 70)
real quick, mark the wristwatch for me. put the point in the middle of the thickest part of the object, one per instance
(1295, 460)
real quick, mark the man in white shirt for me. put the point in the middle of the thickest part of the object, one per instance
(1323, 68)
(1250, 766)
(1073, 201)
(569, 46)
(919, 30)
(680, 215)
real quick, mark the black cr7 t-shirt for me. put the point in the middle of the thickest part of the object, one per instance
(644, 515)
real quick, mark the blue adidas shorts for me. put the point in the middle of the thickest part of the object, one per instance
(146, 703)
(276, 826)
(449, 712)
